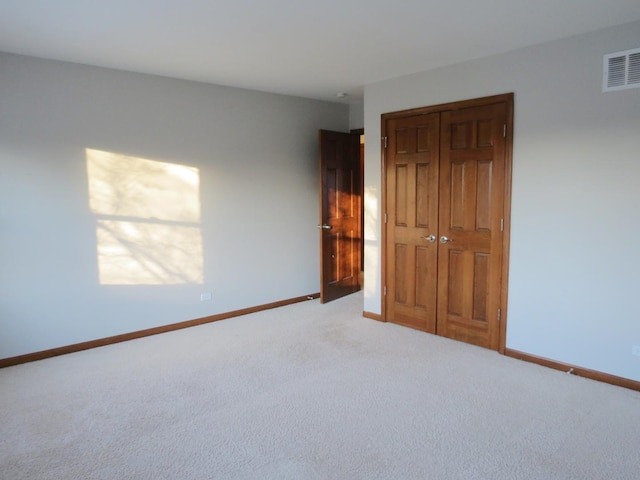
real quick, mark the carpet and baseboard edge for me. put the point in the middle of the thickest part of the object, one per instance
(574, 370)
(54, 352)
(372, 316)
(101, 342)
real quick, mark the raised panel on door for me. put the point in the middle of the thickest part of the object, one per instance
(340, 225)
(412, 187)
(472, 166)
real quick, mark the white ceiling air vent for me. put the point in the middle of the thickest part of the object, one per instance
(621, 70)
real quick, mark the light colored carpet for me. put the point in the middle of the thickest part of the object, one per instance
(310, 391)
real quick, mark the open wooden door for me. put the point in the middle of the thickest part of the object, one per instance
(340, 211)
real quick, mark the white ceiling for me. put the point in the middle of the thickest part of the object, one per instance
(296, 47)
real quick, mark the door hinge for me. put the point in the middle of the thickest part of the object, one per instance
(502, 224)
(504, 130)
(385, 218)
(385, 291)
(385, 139)
(499, 314)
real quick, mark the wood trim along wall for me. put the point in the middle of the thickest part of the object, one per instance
(574, 370)
(101, 342)
(372, 316)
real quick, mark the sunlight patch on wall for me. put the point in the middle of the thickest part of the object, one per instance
(148, 220)
(372, 249)
(371, 213)
(136, 187)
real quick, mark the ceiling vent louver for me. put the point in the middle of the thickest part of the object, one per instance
(621, 70)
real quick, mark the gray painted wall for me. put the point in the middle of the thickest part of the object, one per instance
(221, 197)
(356, 116)
(575, 266)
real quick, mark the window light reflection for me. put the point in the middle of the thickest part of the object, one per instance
(148, 220)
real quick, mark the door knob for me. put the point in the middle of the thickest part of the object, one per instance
(444, 239)
(325, 227)
(430, 238)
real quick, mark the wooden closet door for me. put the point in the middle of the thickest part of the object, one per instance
(445, 201)
(412, 221)
(472, 176)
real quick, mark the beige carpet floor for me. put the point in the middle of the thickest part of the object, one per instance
(310, 391)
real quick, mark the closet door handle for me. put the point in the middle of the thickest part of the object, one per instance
(430, 238)
(444, 239)
(325, 227)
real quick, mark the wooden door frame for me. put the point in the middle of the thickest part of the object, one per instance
(507, 98)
